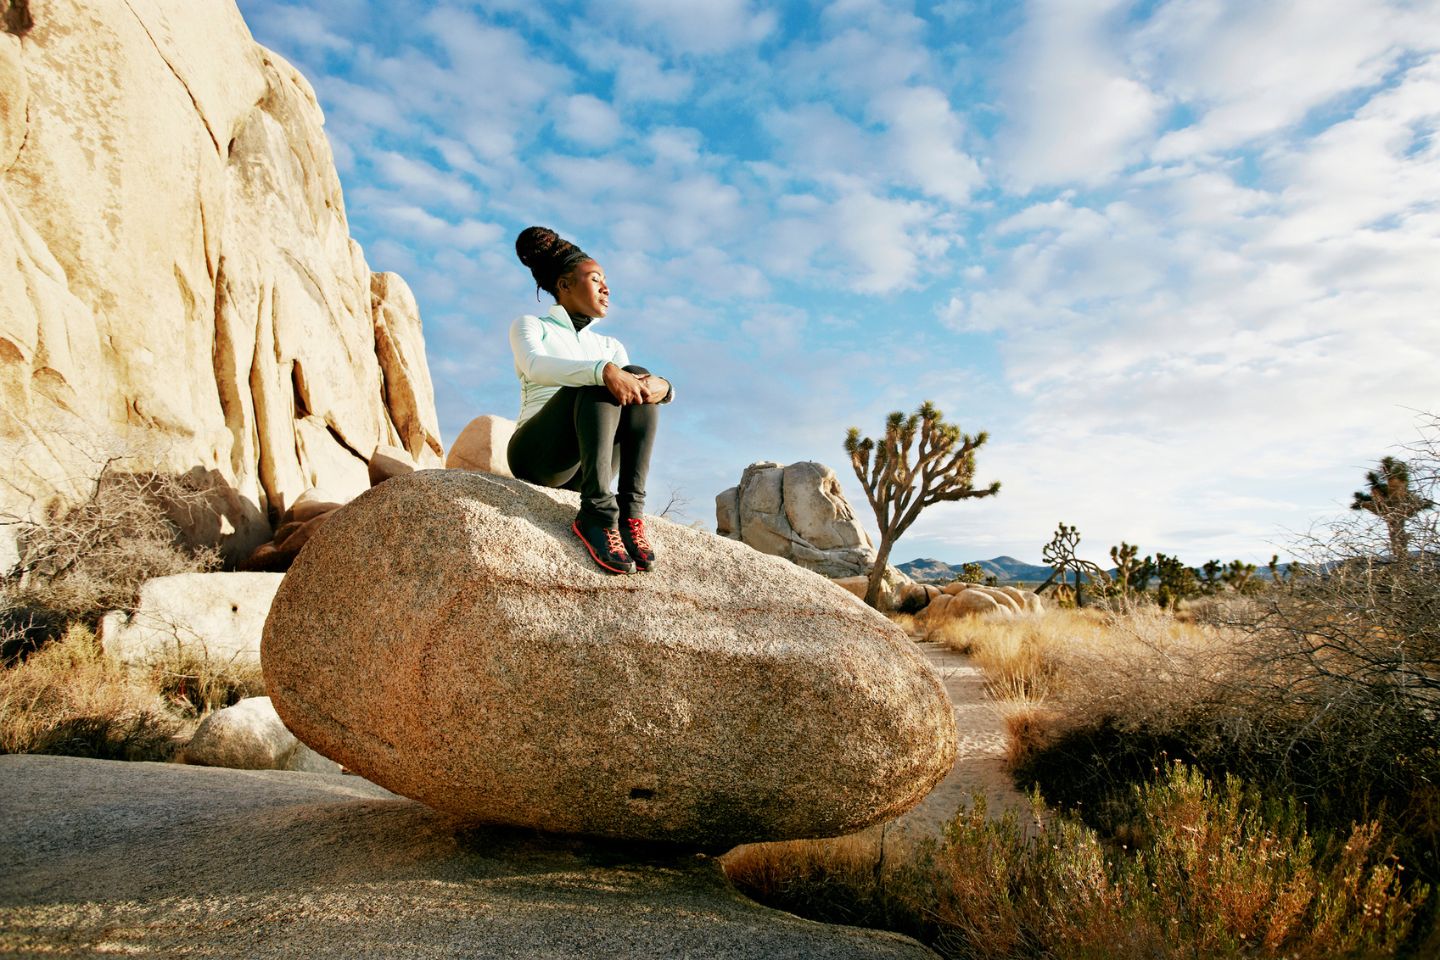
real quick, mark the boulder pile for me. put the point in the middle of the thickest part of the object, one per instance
(447, 637)
(797, 512)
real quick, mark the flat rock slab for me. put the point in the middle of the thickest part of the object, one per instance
(160, 859)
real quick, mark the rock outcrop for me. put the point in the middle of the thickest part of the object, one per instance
(177, 279)
(797, 512)
(268, 865)
(251, 736)
(446, 636)
(217, 616)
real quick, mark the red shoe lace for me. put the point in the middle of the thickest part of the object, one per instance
(613, 541)
(637, 533)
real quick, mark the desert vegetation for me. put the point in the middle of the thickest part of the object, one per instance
(1233, 766)
(944, 469)
(59, 692)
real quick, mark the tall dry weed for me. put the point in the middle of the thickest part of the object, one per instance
(70, 699)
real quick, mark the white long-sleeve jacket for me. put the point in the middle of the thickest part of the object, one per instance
(549, 354)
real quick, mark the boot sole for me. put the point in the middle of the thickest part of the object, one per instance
(575, 528)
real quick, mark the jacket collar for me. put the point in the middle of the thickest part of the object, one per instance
(561, 316)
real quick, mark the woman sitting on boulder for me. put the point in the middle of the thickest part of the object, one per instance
(584, 410)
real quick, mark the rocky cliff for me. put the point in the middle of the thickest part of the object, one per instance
(177, 278)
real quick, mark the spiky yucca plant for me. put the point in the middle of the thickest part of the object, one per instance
(943, 469)
(1390, 498)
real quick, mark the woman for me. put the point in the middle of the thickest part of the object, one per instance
(585, 412)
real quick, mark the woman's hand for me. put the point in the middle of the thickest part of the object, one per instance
(625, 387)
(655, 388)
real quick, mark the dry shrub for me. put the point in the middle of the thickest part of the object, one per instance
(1218, 873)
(81, 559)
(1029, 728)
(866, 879)
(194, 683)
(70, 699)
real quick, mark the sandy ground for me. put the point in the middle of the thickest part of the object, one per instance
(980, 763)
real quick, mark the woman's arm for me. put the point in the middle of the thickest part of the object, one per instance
(537, 366)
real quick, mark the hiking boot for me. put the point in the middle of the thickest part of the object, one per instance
(633, 533)
(605, 546)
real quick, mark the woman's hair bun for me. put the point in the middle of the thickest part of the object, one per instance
(548, 255)
(534, 243)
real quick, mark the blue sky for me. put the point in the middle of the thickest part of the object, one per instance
(1180, 258)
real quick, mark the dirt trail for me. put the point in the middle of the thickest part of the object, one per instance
(980, 764)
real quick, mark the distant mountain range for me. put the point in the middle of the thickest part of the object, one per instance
(1001, 568)
(1007, 569)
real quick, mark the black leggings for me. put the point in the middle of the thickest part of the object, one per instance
(578, 441)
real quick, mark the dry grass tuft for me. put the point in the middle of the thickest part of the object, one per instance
(904, 621)
(70, 699)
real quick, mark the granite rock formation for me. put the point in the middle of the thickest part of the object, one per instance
(797, 512)
(177, 279)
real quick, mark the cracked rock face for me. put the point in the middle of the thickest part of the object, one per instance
(499, 676)
(177, 279)
(797, 512)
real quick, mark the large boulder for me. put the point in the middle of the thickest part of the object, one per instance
(177, 279)
(216, 616)
(446, 636)
(482, 446)
(250, 736)
(107, 858)
(797, 512)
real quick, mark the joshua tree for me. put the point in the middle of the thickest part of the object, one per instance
(1390, 498)
(1126, 566)
(1237, 575)
(1059, 553)
(1177, 581)
(972, 573)
(1210, 576)
(944, 469)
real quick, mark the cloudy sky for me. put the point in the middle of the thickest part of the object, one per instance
(1180, 258)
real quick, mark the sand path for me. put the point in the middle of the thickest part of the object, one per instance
(980, 763)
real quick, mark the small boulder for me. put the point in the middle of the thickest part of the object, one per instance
(215, 615)
(797, 512)
(482, 445)
(389, 461)
(312, 503)
(501, 677)
(972, 602)
(251, 736)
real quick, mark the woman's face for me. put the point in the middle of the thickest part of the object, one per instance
(584, 291)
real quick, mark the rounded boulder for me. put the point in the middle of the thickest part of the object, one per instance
(446, 636)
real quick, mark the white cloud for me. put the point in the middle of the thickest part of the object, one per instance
(1251, 69)
(639, 75)
(925, 135)
(588, 121)
(882, 241)
(1076, 110)
(421, 181)
(698, 26)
